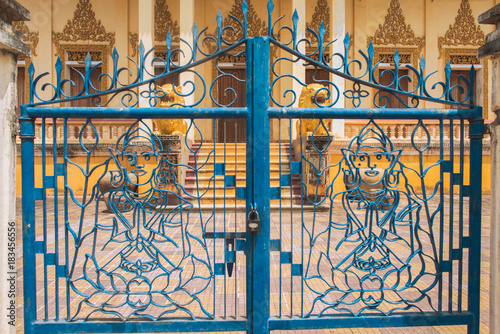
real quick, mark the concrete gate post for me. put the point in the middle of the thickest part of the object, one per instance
(491, 49)
(11, 45)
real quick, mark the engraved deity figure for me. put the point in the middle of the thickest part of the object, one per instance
(142, 262)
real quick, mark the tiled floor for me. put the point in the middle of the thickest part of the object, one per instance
(229, 296)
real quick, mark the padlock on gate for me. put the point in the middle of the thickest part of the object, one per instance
(253, 221)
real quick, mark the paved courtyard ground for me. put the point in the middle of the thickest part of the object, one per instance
(229, 291)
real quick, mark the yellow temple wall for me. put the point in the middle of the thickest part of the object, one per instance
(426, 18)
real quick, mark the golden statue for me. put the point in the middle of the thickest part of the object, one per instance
(306, 100)
(171, 126)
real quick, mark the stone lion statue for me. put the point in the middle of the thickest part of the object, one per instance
(171, 126)
(306, 100)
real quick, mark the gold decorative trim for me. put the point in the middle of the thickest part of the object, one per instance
(161, 52)
(164, 23)
(408, 55)
(464, 31)
(29, 37)
(256, 26)
(133, 39)
(98, 51)
(27, 63)
(321, 14)
(394, 31)
(84, 27)
(463, 54)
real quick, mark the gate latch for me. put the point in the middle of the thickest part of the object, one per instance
(253, 221)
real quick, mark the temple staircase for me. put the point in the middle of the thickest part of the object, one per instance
(221, 176)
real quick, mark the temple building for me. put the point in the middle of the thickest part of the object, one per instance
(440, 31)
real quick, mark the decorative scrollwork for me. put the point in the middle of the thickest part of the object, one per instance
(164, 22)
(83, 27)
(321, 14)
(228, 43)
(394, 31)
(464, 31)
(30, 37)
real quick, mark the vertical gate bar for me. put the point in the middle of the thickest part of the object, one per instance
(235, 217)
(281, 214)
(66, 217)
(474, 273)
(302, 229)
(44, 218)
(450, 220)
(441, 216)
(27, 136)
(224, 221)
(258, 178)
(291, 210)
(56, 216)
(214, 216)
(461, 216)
(248, 187)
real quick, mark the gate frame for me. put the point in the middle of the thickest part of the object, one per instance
(258, 113)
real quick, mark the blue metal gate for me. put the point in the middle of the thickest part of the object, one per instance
(126, 229)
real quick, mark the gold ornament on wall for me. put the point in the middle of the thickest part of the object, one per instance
(29, 37)
(394, 31)
(321, 14)
(256, 26)
(133, 39)
(164, 23)
(83, 27)
(464, 31)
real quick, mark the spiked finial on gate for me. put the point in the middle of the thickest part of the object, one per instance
(396, 59)
(347, 41)
(370, 62)
(168, 42)
(31, 73)
(86, 80)
(270, 7)
(321, 33)
(396, 69)
(295, 20)
(472, 79)
(447, 72)
(422, 74)
(58, 73)
(219, 29)
(195, 37)
(115, 57)
(244, 8)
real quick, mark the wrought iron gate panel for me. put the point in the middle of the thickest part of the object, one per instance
(362, 231)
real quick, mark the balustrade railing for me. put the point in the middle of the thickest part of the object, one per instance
(110, 130)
